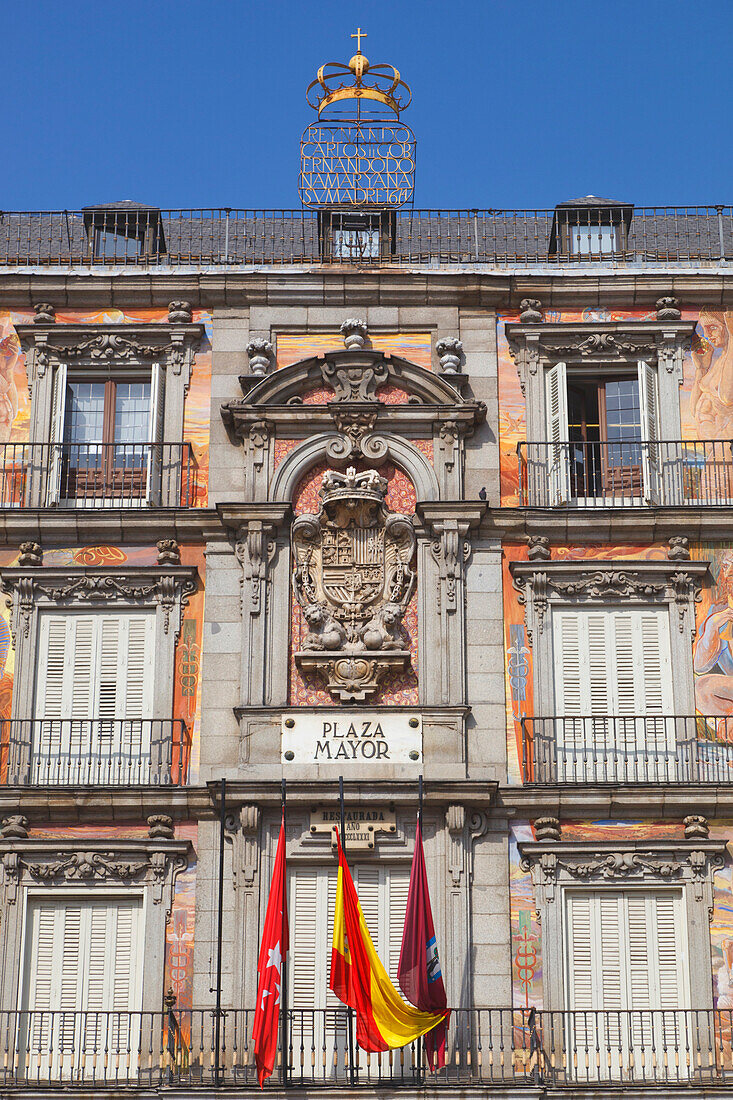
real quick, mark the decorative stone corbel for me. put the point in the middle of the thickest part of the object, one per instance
(15, 826)
(259, 438)
(261, 354)
(354, 332)
(31, 554)
(249, 849)
(547, 828)
(538, 548)
(356, 420)
(696, 827)
(449, 442)
(450, 550)
(160, 827)
(180, 313)
(531, 311)
(255, 549)
(169, 552)
(45, 314)
(679, 548)
(668, 309)
(450, 351)
(525, 351)
(455, 821)
(11, 876)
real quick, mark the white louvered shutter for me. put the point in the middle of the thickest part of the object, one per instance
(649, 432)
(556, 405)
(58, 416)
(155, 435)
(94, 697)
(613, 663)
(82, 957)
(625, 952)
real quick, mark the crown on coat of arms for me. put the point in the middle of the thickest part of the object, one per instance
(367, 486)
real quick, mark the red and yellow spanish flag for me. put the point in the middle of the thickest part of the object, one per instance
(383, 1019)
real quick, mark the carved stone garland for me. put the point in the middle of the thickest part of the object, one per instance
(353, 577)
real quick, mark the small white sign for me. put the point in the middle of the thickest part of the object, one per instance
(344, 737)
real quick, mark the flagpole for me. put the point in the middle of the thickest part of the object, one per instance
(219, 934)
(284, 961)
(419, 825)
(350, 1018)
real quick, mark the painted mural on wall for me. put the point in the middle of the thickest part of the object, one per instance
(15, 397)
(706, 394)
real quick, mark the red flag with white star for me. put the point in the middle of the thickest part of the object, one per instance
(273, 952)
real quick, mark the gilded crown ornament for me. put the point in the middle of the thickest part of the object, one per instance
(359, 80)
(353, 578)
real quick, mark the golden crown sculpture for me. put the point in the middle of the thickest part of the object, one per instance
(385, 82)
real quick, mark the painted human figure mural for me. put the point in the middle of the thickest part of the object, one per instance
(711, 399)
(713, 659)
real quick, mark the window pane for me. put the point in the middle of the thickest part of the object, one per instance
(593, 240)
(84, 412)
(132, 412)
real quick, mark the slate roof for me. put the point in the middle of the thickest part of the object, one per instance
(421, 237)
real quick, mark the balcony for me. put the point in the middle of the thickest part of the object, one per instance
(665, 473)
(70, 752)
(486, 1048)
(691, 236)
(592, 749)
(97, 475)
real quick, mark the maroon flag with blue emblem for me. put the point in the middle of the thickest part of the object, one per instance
(419, 974)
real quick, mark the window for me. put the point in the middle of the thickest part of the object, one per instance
(82, 960)
(383, 896)
(104, 436)
(625, 955)
(603, 434)
(94, 698)
(613, 671)
(355, 237)
(592, 240)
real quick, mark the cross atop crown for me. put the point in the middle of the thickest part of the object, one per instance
(358, 36)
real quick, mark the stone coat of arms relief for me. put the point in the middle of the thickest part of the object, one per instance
(353, 577)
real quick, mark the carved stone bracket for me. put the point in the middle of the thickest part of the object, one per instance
(356, 420)
(450, 547)
(539, 583)
(245, 830)
(455, 822)
(167, 586)
(255, 547)
(355, 375)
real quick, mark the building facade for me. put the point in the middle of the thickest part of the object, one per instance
(368, 494)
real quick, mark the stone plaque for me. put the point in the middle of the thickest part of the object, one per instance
(360, 825)
(345, 737)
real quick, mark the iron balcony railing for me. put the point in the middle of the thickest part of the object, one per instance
(602, 748)
(94, 751)
(667, 472)
(97, 475)
(486, 1047)
(656, 235)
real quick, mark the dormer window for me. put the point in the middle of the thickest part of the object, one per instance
(124, 230)
(590, 228)
(356, 235)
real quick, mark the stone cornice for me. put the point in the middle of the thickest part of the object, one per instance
(465, 514)
(616, 802)
(617, 526)
(102, 804)
(102, 526)
(467, 285)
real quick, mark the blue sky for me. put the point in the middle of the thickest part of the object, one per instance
(515, 104)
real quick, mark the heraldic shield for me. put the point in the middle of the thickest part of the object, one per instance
(353, 576)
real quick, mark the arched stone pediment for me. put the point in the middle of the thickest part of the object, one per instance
(353, 376)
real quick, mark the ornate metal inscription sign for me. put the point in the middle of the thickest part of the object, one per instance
(361, 825)
(346, 738)
(353, 577)
(368, 164)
